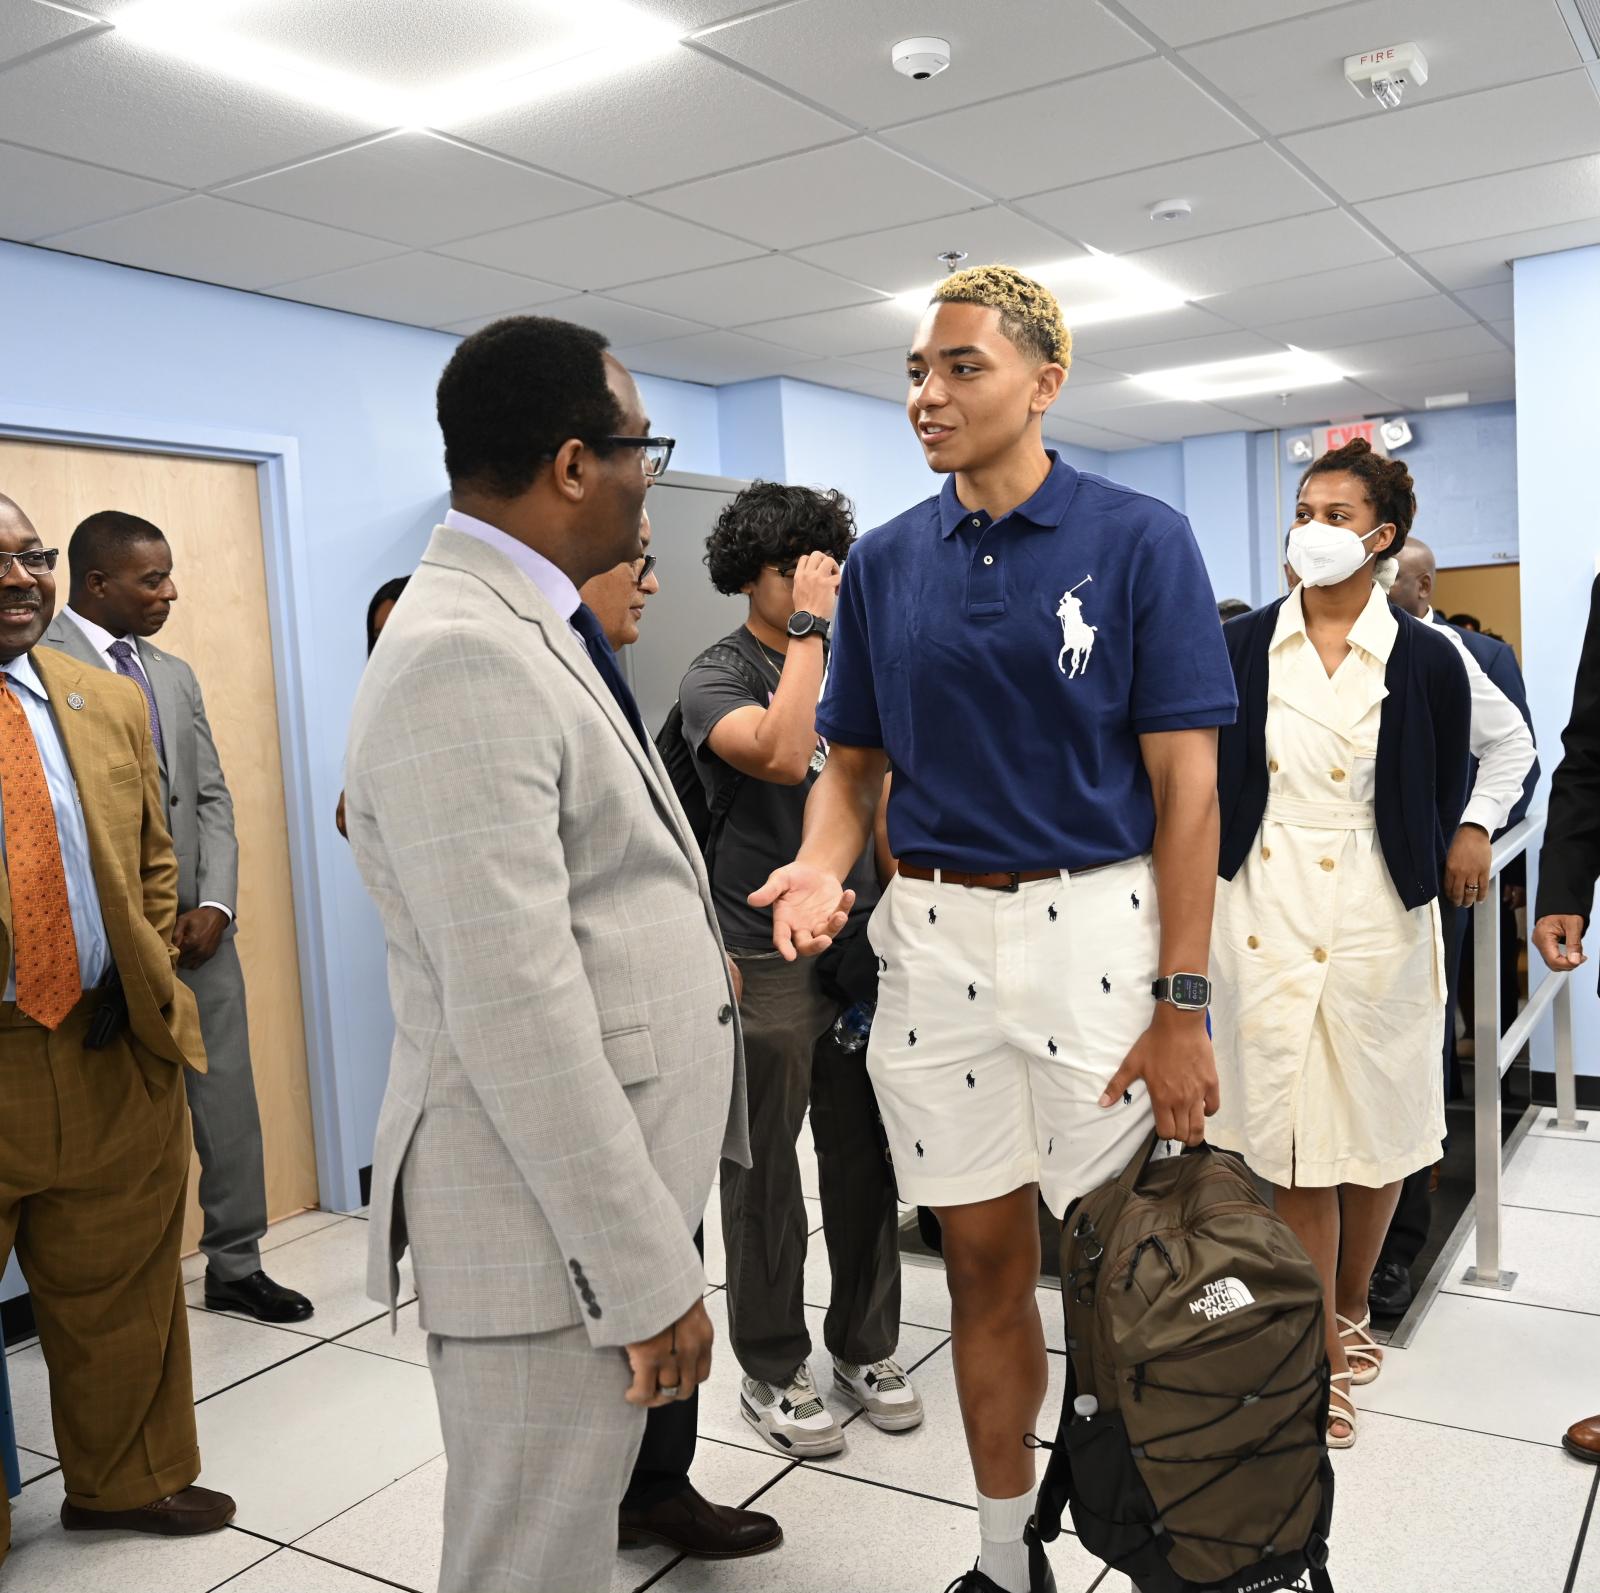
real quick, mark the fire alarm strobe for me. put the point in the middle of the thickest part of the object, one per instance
(1384, 73)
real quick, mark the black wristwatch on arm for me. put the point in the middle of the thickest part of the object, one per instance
(1188, 992)
(802, 624)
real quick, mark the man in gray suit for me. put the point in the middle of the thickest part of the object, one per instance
(121, 595)
(566, 1065)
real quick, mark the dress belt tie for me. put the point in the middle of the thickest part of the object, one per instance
(1301, 814)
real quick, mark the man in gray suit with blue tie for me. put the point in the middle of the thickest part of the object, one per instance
(567, 1064)
(121, 595)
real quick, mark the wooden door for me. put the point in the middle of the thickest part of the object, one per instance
(210, 512)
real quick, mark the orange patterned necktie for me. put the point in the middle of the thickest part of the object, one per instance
(48, 982)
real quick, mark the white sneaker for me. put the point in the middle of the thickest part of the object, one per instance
(793, 1418)
(883, 1391)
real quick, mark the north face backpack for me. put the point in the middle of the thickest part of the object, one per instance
(706, 819)
(1192, 1447)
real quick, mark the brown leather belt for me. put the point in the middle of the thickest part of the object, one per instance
(980, 882)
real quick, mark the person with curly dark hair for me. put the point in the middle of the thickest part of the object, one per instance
(1341, 790)
(749, 706)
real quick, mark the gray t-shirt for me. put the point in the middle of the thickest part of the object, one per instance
(762, 831)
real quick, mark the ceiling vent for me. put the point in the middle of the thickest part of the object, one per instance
(1587, 13)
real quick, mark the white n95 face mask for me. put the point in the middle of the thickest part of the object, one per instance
(1325, 555)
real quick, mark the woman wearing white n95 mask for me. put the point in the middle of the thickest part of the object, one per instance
(1341, 787)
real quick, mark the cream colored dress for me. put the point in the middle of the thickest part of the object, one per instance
(1329, 994)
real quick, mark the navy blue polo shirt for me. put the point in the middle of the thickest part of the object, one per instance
(1008, 668)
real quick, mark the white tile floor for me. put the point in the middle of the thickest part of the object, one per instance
(329, 1438)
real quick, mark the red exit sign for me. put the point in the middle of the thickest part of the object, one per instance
(1338, 436)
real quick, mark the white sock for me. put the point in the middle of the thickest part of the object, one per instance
(1003, 1557)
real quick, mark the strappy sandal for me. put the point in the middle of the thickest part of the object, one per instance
(1339, 1413)
(1361, 1350)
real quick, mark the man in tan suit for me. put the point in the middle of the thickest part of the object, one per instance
(567, 1064)
(95, 1031)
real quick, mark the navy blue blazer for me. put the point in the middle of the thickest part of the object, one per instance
(1499, 662)
(1424, 744)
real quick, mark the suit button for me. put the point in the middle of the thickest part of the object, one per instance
(725, 1015)
(594, 1311)
(576, 1267)
(174, 802)
(1253, 943)
(1327, 865)
(1336, 774)
(1320, 954)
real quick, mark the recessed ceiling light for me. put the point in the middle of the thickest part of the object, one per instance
(1092, 288)
(610, 37)
(1447, 401)
(1259, 373)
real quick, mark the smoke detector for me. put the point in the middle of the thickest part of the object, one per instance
(920, 59)
(1383, 74)
(1171, 210)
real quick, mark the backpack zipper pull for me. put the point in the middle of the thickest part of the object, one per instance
(1166, 1255)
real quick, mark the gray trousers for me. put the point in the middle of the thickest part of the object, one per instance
(540, 1444)
(791, 1061)
(227, 1122)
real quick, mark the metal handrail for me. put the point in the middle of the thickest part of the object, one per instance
(1493, 1054)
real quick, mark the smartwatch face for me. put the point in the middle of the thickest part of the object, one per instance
(1190, 990)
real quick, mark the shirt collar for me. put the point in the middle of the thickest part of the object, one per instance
(99, 637)
(1373, 632)
(553, 583)
(1047, 508)
(20, 672)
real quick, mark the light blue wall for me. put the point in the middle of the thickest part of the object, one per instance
(1558, 353)
(1157, 470)
(1464, 462)
(1219, 499)
(80, 336)
(750, 419)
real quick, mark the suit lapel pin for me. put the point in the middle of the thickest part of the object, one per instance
(74, 700)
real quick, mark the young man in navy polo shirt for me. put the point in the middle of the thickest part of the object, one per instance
(1037, 653)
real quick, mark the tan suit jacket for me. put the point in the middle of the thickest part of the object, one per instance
(113, 759)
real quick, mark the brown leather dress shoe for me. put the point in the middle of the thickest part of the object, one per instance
(179, 1515)
(1583, 1440)
(694, 1526)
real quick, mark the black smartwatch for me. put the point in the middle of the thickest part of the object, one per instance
(804, 624)
(1187, 992)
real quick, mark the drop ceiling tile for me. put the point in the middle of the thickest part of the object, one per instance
(748, 290)
(1486, 261)
(1190, 351)
(1171, 421)
(715, 357)
(1085, 373)
(824, 193)
(1344, 327)
(1384, 357)
(621, 323)
(1474, 135)
(421, 290)
(1272, 252)
(847, 375)
(598, 248)
(214, 241)
(1139, 331)
(1114, 121)
(1057, 428)
(1484, 207)
(1232, 188)
(863, 328)
(678, 116)
(1100, 398)
(1183, 21)
(892, 389)
(30, 26)
(1323, 292)
(44, 194)
(159, 117)
(1493, 303)
(1291, 76)
(1316, 406)
(799, 48)
(1486, 377)
(902, 258)
(412, 188)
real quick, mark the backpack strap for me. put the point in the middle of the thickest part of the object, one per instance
(1134, 1171)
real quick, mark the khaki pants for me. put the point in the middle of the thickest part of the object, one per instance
(94, 1157)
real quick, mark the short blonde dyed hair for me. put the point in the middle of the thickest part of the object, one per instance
(1030, 314)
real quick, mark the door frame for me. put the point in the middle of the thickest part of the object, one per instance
(286, 555)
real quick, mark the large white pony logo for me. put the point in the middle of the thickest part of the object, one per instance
(1077, 636)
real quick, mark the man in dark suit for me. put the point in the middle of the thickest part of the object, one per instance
(1391, 1290)
(1569, 863)
(96, 1032)
(122, 593)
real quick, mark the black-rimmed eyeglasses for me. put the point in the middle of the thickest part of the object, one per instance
(642, 569)
(656, 451)
(36, 561)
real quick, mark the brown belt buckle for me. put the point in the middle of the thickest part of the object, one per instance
(1015, 885)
